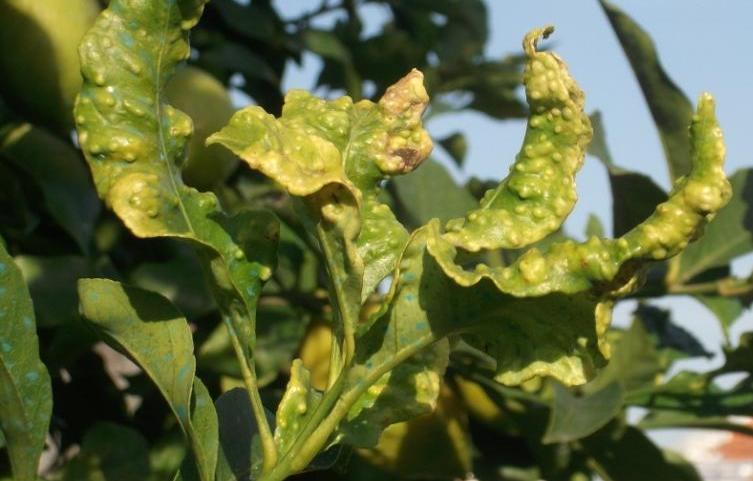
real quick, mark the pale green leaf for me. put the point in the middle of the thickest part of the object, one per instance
(316, 143)
(25, 391)
(539, 192)
(147, 328)
(729, 236)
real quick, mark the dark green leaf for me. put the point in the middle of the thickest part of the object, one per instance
(110, 452)
(61, 175)
(457, 146)
(52, 284)
(430, 192)
(669, 107)
(240, 452)
(626, 454)
(634, 195)
(25, 391)
(575, 417)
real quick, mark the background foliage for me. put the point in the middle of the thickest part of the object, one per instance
(108, 420)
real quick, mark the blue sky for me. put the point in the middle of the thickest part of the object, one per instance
(701, 45)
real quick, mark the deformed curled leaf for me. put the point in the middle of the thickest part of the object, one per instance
(607, 265)
(317, 142)
(135, 145)
(539, 192)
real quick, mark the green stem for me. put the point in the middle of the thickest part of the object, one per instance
(310, 443)
(248, 373)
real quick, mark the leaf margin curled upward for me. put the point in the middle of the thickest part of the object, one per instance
(539, 193)
(134, 143)
(138, 323)
(604, 269)
(569, 268)
(25, 390)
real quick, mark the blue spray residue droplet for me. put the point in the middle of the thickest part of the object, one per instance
(410, 297)
(181, 411)
(183, 371)
(2, 267)
(3, 291)
(28, 323)
(32, 376)
(5, 346)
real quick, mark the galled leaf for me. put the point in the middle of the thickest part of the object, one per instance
(135, 144)
(539, 193)
(25, 390)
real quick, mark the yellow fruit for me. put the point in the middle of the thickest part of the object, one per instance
(39, 67)
(207, 102)
(315, 351)
(445, 451)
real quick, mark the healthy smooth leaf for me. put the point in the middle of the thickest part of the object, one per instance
(575, 417)
(670, 108)
(239, 456)
(25, 390)
(110, 452)
(149, 329)
(456, 145)
(729, 236)
(616, 453)
(62, 178)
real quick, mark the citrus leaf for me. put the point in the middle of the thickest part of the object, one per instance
(575, 417)
(670, 108)
(110, 451)
(62, 178)
(616, 453)
(430, 192)
(729, 236)
(147, 328)
(317, 143)
(569, 268)
(539, 192)
(634, 195)
(25, 390)
(135, 144)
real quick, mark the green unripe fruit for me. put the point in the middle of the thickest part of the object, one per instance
(39, 65)
(207, 102)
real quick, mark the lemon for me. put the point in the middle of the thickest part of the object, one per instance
(39, 66)
(206, 101)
